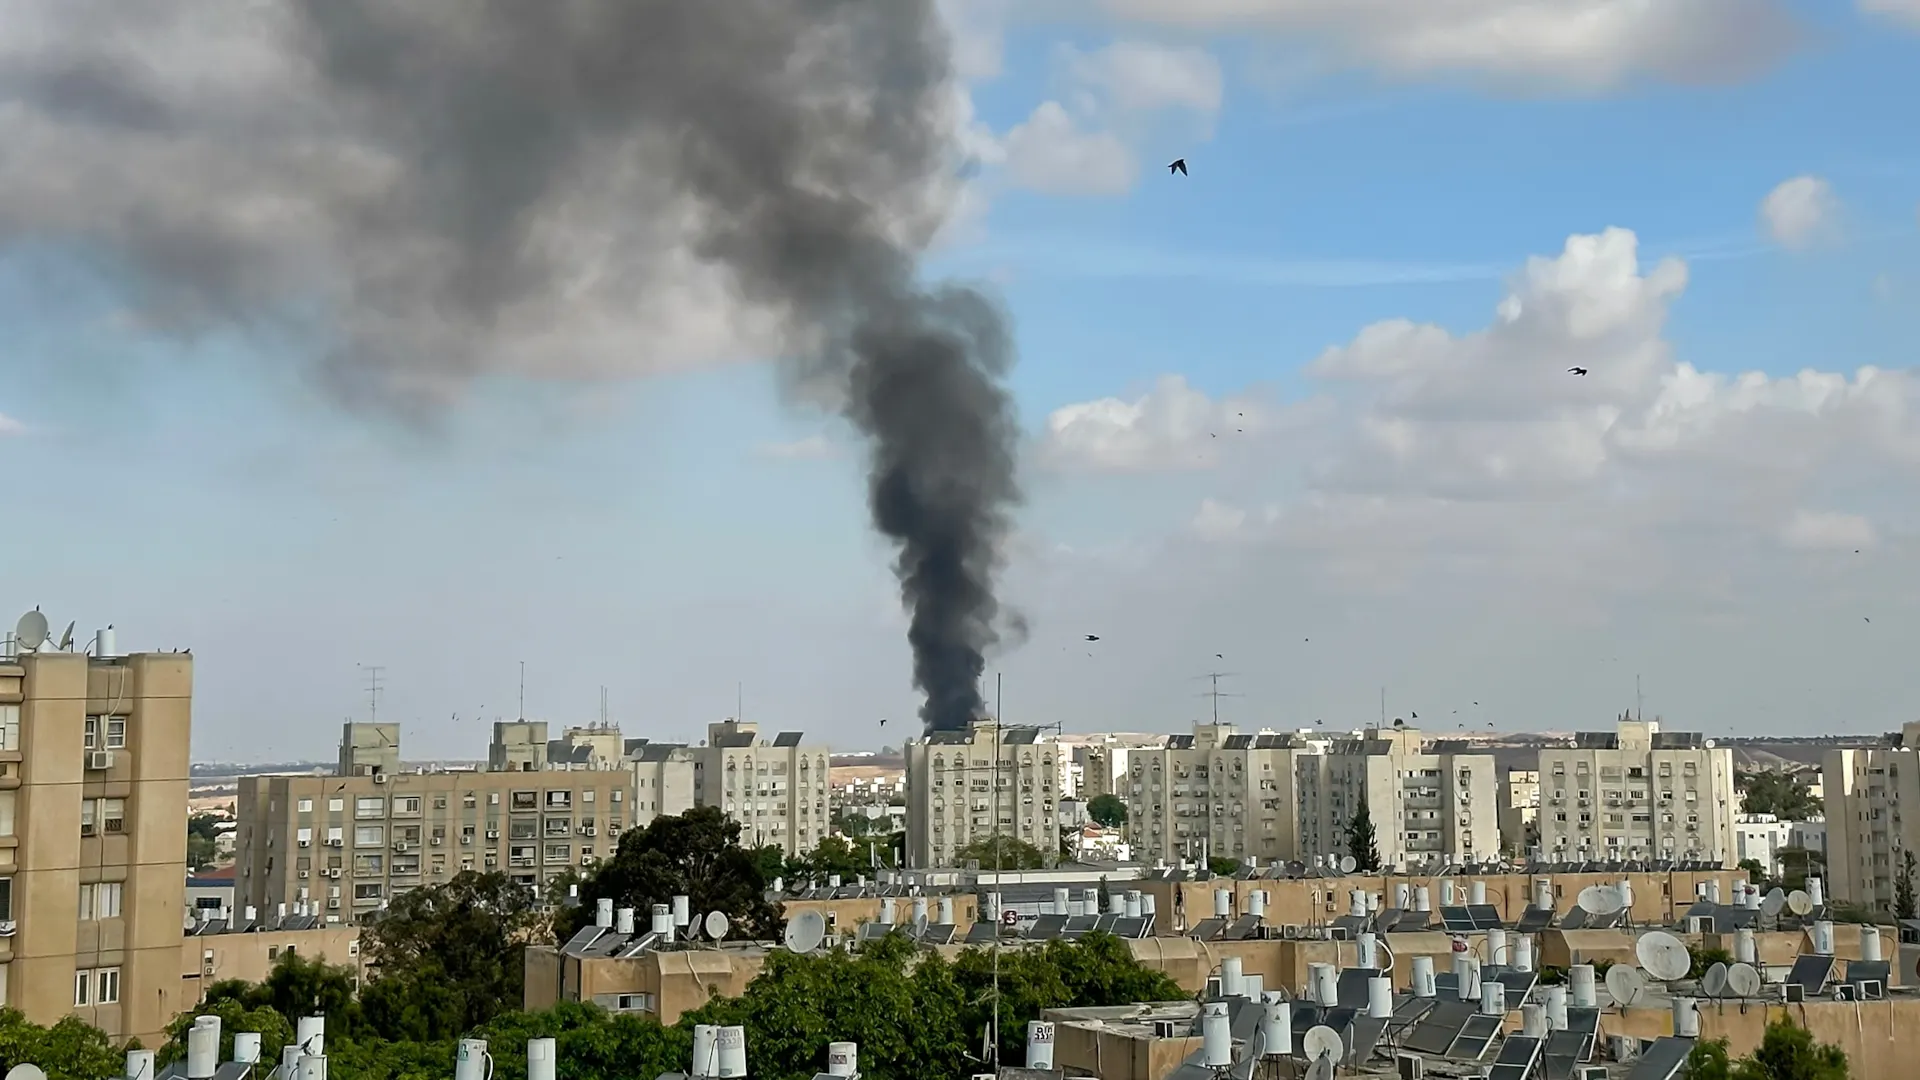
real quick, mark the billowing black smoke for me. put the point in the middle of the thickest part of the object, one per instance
(455, 188)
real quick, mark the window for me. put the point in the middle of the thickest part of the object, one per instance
(116, 733)
(82, 987)
(113, 816)
(559, 800)
(6, 813)
(305, 806)
(369, 836)
(100, 900)
(406, 804)
(87, 821)
(107, 986)
(336, 804)
(6, 903)
(369, 806)
(303, 837)
(9, 727)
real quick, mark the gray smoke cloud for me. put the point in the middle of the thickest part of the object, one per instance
(421, 192)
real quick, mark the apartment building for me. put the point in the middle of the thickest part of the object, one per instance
(1214, 793)
(1637, 793)
(1428, 804)
(1760, 837)
(776, 790)
(1866, 835)
(344, 845)
(93, 812)
(1520, 811)
(964, 786)
(662, 780)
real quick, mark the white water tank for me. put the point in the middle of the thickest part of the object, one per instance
(1497, 947)
(1252, 986)
(1522, 952)
(602, 913)
(1134, 906)
(246, 1047)
(1816, 891)
(1061, 897)
(1424, 985)
(1357, 902)
(1039, 1044)
(1556, 997)
(682, 911)
(311, 1067)
(311, 1033)
(1870, 944)
(104, 644)
(843, 1059)
(623, 922)
(660, 919)
(1543, 893)
(945, 907)
(1476, 892)
(1466, 973)
(1580, 985)
(1713, 891)
(1533, 1021)
(1329, 976)
(1402, 896)
(1230, 971)
(1686, 1018)
(471, 1061)
(1444, 887)
(1090, 900)
(1257, 903)
(833, 881)
(1823, 938)
(706, 1050)
(1380, 998)
(203, 1047)
(1276, 1019)
(1367, 950)
(541, 1058)
(1148, 905)
(1216, 1036)
(1493, 999)
(919, 909)
(1422, 898)
(1745, 950)
(886, 911)
(732, 1044)
(139, 1065)
(1222, 903)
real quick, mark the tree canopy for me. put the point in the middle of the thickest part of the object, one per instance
(696, 854)
(1779, 794)
(449, 957)
(1107, 810)
(1361, 843)
(1786, 1052)
(1001, 852)
(70, 1049)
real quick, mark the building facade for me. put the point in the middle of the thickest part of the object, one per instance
(1760, 837)
(1867, 837)
(1428, 804)
(966, 786)
(1637, 793)
(1216, 793)
(93, 815)
(1519, 811)
(776, 790)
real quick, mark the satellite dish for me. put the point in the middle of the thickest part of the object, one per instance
(1799, 903)
(1625, 984)
(1600, 899)
(1743, 981)
(1714, 982)
(1251, 1052)
(805, 932)
(1322, 1043)
(26, 1072)
(920, 926)
(1347, 865)
(1773, 903)
(31, 633)
(1663, 956)
(1295, 868)
(692, 930)
(66, 636)
(717, 925)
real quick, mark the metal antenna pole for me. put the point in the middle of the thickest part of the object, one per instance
(373, 691)
(523, 689)
(993, 835)
(1215, 692)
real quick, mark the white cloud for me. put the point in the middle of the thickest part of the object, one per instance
(1800, 212)
(10, 426)
(1812, 531)
(810, 448)
(1576, 45)
(1051, 154)
(1172, 426)
(1138, 77)
(1907, 11)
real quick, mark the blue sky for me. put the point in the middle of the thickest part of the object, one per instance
(643, 534)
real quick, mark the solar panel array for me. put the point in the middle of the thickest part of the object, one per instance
(1517, 1057)
(1662, 1060)
(1811, 971)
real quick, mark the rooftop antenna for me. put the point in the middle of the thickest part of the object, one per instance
(523, 690)
(1639, 701)
(1383, 706)
(739, 702)
(603, 707)
(374, 671)
(999, 714)
(1215, 692)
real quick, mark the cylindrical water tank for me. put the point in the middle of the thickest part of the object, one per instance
(253, 913)
(1090, 899)
(311, 1033)
(1533, 1021)
(139, 1065)
(1816, 891)
(1422, 898)
(1424, 985)
(833, 881)
(945, 907)
(1745, 950)
(1380, 997)
(1626, 893)
(1373, 903)
(1713, 895)
(1497, 947)
(780, 884)
(732, 1044)
(1039, 1044)
(1870, 944)
(1402, 895)
(541, 1057)
(1216, 1036)
(919, 909)
(1580, 985)
(1061, 896)
(1148, 905)
(843, 1059)
(203, 1047)
(623, 922)
(1823, 938)
(1230, 969)
(1556, 1000)
(886, 911)
(706, 1050)
(1257, 903)
(1493, 999)
(1686, 1018)
(1476, 892)
(311, 1067)
(660, 918)
(290, 1060)
(1466, 973)
(1522, 952)
(1318, 978)
(246, 1047)
(1368, 951)
(1543, 893)
(1134, 905)
(1222, 903)
(682, 911)
(104, 644)
(1444, 887)
(1357, 902)
(1699, 890)
(1117, 904)
(470, 1060)
(1252, 986)
(1276, 1019)
(602, 913)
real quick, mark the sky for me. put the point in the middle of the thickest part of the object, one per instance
(1302, 415)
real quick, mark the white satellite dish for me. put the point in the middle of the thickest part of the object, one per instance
(1322, 1043)
(1322, 1069)
(1251, 1052)
(1600, 899)
(1625, 984)
(1743, 981)
(31, 633)
(1799, 903)
(26, 1071)
(1714, 983)
(1773, 903)
(717, 925)
(1347, 866)
(692, 930)
(805, 932)
(1664, 956)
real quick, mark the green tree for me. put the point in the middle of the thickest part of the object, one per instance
(1708, 1061)
(449, 957)
(1797, 864)
(1001, 852)
(71, 1049)
(1361, 843)
(1779, 794)
(1222, 866)
(202, 834)
(1756, 873)
(1903, 906)
(236, 1015)
(1788, 1052)
(1107, 810)
(839, 855)
(696, 854)
(1699, 960)
(854, 824)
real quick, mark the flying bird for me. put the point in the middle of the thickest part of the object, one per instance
(1179, 166)
(1576, 371)
(1093, 637)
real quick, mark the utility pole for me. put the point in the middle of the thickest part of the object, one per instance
(523, 690)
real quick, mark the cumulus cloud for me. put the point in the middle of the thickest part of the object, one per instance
(1800, 212)
(1171, 426)
(1577, 45)
(1050, 153)
(10, 426)
(1813, 531)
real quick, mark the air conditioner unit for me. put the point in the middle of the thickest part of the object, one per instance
(306, 843)
(1846, 992)
(335, 842)
(100, 759)
(1166, 1029)
(8, 928)
(493, 834)
(466, 838)
(333, 903)
(379, 778)
(206, 967)
(1872, 990)
(436, 841)
(1410, 1066)
(1793, 993)
(1624, 1047)
(303, 873)
(400, 846)
(334, 872)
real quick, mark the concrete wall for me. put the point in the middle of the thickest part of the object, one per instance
(1881, 1038)
(680, 981)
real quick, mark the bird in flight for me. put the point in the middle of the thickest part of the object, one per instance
(1179, 166)
(1093, 637)
(1576, 371)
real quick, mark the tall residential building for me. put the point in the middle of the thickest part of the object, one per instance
(1520, 811)
(343, 845)
(1214, 793)
(1637, 793)
(93, 815)
(964, 786)
(776, 790)
(662, 780)
(1866, 834)
(1427, 803)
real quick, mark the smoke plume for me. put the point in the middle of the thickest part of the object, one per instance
(420, 192)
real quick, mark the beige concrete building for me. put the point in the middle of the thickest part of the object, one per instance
(93, 813)
(341, 846)
(663, 775)
(776, 790)
(1866, 833)
(1637, 793)
(1214, 793)
(224, 950)
(964, 786)
(1427, 803)
(1519, 811)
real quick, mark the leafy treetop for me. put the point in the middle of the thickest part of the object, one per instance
(696, 854)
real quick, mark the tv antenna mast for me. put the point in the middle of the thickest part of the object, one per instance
(1214, 692)
(374, 671)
